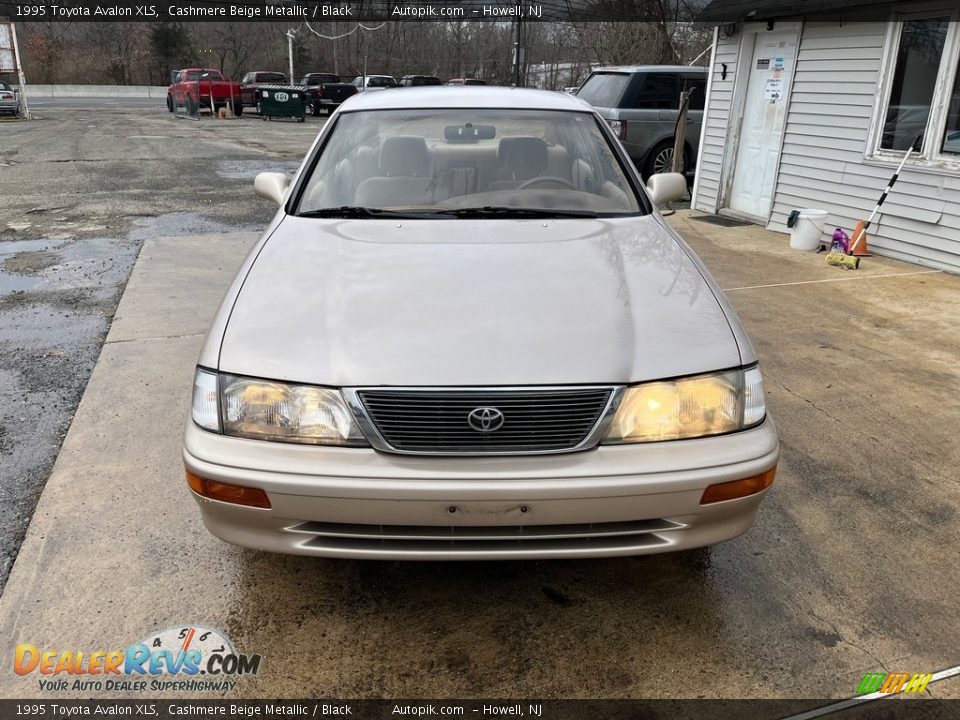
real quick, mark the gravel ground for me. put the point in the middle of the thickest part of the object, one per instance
(82, 187)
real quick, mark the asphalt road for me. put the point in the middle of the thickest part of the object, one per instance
(82, 185)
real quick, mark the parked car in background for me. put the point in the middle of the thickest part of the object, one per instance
(467, 334)
(465, 81)
(418, 80)
(325, 91)
(252, 80)
(641, 104)
(373, 82)
(203, 88)
(9, 99)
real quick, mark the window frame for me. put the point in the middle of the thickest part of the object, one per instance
(930, 156)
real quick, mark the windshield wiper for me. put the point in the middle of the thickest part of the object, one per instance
(502, 211)
(350, 211)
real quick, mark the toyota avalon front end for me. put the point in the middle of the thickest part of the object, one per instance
(468, 334)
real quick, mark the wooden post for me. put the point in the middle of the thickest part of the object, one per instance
(679, 137)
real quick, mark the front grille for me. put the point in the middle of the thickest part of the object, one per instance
(466, 542)
(436, 421)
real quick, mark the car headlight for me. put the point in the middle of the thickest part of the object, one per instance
(268, 410)
(689, 407)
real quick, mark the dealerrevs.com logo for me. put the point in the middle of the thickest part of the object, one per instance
(190, 658)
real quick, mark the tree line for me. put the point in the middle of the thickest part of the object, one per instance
(555, 55)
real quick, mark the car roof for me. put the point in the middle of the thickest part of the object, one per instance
(652, 68)
(466, 96)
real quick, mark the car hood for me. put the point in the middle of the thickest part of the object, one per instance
(475, 302)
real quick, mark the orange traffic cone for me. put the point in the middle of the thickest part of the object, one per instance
(858, 242)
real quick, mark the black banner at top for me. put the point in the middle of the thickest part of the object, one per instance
(710, 12)
(327, 10)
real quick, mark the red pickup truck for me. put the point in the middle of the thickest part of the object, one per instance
(193, 88)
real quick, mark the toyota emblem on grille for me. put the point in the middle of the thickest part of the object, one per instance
(485, 419)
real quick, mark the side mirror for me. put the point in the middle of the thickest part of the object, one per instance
(272, 186)
(664, 187)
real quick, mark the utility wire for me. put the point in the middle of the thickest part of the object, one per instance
(346, 34)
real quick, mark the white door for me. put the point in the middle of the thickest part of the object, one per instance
(764, 116)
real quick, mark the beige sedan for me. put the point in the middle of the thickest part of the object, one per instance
(468, 334)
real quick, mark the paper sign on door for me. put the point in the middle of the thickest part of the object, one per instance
(773, 90)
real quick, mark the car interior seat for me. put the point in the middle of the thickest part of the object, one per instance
(405, 177)
(519, 159)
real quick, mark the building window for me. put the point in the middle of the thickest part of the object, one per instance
(914, 81)
(923, 89)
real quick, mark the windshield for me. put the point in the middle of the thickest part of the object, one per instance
(604, 89)
(460, 163)
(271, 78)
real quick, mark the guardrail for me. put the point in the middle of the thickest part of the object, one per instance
(137, 91)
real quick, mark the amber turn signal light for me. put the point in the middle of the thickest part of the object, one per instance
(225, 492)
(738, 488)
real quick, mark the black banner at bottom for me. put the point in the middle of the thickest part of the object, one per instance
(893, 708)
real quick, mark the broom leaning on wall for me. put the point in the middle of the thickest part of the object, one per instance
(849, 260)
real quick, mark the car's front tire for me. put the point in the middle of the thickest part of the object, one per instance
(238, 109)
(169, 103)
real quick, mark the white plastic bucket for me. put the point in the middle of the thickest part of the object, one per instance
(807, 230)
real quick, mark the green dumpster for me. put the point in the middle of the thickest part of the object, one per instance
(281, 101)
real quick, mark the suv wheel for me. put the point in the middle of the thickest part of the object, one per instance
(660, 160)
(169, 103)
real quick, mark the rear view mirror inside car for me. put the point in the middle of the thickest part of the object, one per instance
(469, 133)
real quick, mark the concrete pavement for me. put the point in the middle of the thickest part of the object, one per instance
(847, 571)
(81, 189)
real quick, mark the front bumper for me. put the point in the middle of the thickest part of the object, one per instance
(359, 503)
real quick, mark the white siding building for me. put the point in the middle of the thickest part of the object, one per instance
(817, 111)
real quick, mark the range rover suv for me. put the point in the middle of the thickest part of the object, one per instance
(641, 104)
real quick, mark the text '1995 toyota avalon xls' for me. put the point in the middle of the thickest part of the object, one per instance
(468, 334)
